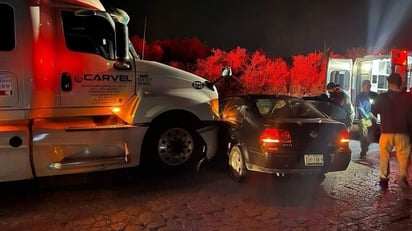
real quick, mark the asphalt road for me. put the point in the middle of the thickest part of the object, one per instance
(209, 200)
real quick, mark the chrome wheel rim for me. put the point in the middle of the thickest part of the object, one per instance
(236, 162)
(175, 146)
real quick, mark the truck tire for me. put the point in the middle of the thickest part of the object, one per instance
(170, 148)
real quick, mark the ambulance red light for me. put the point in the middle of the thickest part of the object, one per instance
(399, 57)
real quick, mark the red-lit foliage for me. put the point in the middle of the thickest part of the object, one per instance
(253, 73)
(181, 53)
(307, 75)
(211, 67)
(264, 75)
(186, 50)
(151, 52)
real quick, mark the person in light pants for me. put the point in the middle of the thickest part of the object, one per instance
(387, 142)
(395, 109)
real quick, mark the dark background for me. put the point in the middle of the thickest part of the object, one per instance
(276, 27)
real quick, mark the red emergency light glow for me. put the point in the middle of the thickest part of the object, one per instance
(399, 57)
(44, 62)
(94, 4)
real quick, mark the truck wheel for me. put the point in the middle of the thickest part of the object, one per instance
(172, 148)
(237, 169)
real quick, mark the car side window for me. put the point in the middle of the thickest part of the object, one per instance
(264, 106)
(337, 112)
(281, 109)
(303, 109)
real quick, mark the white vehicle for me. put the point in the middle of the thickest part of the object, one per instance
(75, 97)
(376, 68)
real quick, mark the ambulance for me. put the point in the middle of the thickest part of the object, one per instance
(349, 73)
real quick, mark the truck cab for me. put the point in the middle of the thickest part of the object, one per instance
(75, 97)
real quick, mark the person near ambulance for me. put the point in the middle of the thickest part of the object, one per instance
(395, 109)
(339, 97)
(367, 120)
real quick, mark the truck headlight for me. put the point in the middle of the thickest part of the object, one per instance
(214, 107)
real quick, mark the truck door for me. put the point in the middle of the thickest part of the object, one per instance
(86, 58)
(339, 71)
(15, 90)
(13, 68)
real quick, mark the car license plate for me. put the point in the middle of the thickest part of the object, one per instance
(314, 160)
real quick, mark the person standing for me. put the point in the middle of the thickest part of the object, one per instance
(340, 97)
(367, 120)
(394, 107)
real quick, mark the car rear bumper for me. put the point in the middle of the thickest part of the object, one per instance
(291, 164)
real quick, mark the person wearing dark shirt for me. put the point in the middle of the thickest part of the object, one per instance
(339, 97)
(394, 107)
(367, 120)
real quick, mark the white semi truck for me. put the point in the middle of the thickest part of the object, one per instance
(76, 98)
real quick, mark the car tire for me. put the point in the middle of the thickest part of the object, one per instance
(172, 148)
(237, 165)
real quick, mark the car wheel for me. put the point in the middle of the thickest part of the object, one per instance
(172, 148)
(237, 166)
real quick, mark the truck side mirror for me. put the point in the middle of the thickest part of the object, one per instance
(226, 71)
(122, 47)
(121, 19)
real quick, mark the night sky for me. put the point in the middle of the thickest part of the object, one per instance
(277, 27)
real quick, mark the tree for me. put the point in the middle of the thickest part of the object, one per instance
(211, 67)
(186, 50)
(152, 52)
(308, 74)
(255, 73)
(264, 75)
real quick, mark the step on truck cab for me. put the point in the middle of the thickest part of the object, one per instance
(76, 98)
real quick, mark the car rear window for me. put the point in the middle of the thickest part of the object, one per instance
(286, 108)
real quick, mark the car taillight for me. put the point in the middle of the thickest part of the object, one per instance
(271, 138)
(344, 136)
(343, 140)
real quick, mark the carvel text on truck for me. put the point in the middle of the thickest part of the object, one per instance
(75, 97)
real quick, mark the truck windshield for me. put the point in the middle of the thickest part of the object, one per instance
(89, 34)
(7, 40)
